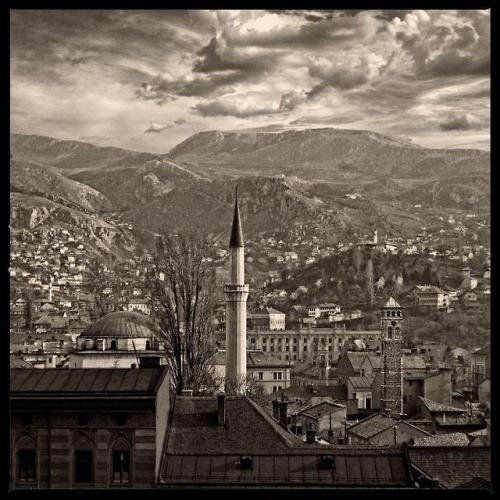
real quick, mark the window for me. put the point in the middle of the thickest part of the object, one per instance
(368, 404)
(264, 348)
(405, 399)
(294, 348)
(83, 466)
(305, 347)
(280, 376)
(362, 372)
(121, 466)
(274, 388)
(148, 345)
(287, 348)
(26, 466)
(261, 375)
(113, 345)
(275, 375)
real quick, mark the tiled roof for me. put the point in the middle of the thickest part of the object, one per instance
(338, 392)
(361, 382)
(254, 359)
(372, 425)
(432, 406)
(451, 439)
(413, 362)
(452, 466)
(78, 381)
(120, 324)
(18, 362)
(356, 358)
(354, 467)
(328, 407)
(248, 429)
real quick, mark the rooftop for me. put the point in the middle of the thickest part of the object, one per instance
(248, 428)
(79, 381)
(120, 324)
(432, 406)
(451, 439)
(452, 465)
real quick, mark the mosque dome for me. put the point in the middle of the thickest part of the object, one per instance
(120, 324)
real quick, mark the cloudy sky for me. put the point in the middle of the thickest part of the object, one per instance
(146, 80)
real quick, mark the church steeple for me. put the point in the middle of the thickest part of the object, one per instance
(236, 239)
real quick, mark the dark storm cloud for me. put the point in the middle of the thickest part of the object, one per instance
(464, 121)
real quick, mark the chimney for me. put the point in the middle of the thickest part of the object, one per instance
(221, 408)
(311, 436)
(275, 409)
(283, 413)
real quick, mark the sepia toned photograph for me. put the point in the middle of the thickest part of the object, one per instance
(250, 249)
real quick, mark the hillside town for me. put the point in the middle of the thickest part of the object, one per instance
(322, 373)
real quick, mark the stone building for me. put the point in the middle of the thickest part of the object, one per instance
(86, 428)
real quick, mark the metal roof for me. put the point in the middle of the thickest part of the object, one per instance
(120, 324)
(55, 382)
(352, 468)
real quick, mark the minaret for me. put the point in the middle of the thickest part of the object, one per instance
(236, 293)
(391, 319)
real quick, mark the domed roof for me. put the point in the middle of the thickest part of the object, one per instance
(120, 324)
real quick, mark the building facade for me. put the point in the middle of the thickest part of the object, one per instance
(91, 428)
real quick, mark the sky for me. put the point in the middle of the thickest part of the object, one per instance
(146, 80)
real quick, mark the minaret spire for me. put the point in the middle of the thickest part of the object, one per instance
(236, 232)
(236, 293)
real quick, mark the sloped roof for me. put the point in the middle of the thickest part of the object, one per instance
(391, 304)
(356, 358)
(450, 439)
(432, 406)
(354, 467)
(372, 425)
(18, 362)
(311, 406)
(248, 429)
(413, 362)
(78, 381)
(452, 466)
(254, 359)
(361, 382)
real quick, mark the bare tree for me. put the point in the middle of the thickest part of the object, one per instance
(183, 297)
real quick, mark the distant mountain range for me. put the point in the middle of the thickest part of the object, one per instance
(283, 178)
(328, 154)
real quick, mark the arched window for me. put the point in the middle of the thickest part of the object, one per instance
(388, 313)
(389, 332)
(120, 457)
(113, 346)
(393, 313)
(26, 461)
(399, 314)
